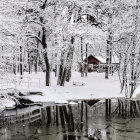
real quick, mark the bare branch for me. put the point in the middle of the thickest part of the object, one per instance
(34, 36)
(33, 21)
(119, 39)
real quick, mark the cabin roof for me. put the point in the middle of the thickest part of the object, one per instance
(103, 59)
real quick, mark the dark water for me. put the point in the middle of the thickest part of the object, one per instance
(66, 122)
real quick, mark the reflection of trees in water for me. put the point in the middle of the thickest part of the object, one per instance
(66, 117)
(71, 137)
(71, 119)
(65, 120)
(75, 119)
(49, 115)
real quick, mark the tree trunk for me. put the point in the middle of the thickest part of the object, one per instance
(55, 64)
(21, 65)
(14, 66)
(110, 57)
(44, 44)
(133, 53)
(67, 70)
(61, 67)
(37, 56)
(63, 77)
(109, 49)
(107, 61)
(29, 64)
(82, 66)
(86, 70)
(68, 75)
(47, 69)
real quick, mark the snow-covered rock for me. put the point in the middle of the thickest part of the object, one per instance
(7, 103)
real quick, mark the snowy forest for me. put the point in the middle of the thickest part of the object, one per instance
(57, 35)
(69, 69)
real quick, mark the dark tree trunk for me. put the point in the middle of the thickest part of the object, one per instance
(46, 57)
(29, 65)
(68, 76)
(44, 44)
(14, 68)
(82, 66)
(61, 67)
(47, 69)
(63, 77)
(67, 69)
(21, 65)
(107, 61)
(55, 64)
(86, 70)
(110, 61)
(28, 51)
(37, 56)
(65, 72)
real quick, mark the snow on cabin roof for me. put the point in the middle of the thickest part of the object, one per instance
(103, 59)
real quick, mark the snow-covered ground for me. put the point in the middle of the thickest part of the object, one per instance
(95, 86)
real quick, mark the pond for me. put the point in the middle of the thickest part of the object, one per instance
(66, 122)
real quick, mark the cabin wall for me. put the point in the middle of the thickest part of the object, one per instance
(94, 65)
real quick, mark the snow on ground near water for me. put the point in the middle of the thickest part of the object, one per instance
(96, 86)
(6, 103)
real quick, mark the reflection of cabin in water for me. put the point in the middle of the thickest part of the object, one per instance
(97, 64)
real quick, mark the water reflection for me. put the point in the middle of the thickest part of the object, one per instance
(67, 122)
(71, 137)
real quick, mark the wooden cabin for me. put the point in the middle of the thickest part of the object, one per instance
(97, 64)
